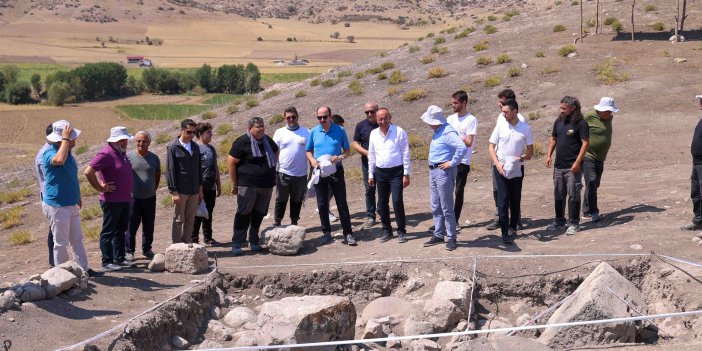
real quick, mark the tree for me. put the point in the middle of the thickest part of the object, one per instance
(680, 18)
(19, 92)
(252, 78)
(36, 83)
(633, 3)
(230, 79)
(100, 79)
(58, 93)
(10, 72)
(350, 38)
(2, 85)
(204, 77)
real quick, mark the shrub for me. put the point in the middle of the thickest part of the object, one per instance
(617, 26)
(607, 73)
(439, 50)
(575, 3)
(383, 54)
(558, 2)
(276, 119)
(512, 13)
(493, 82)
(225, 145)
(19, 92)
(649, 8)
(538, 150)
(396, 77)
(20, 237)
(359, 75)
(314, 82)
(90, 212)
(81, 149)
(59, 93)
(344, 73)
(480, 46)
(609, 20)
(534, 116)
(300, 94)
(232, 109)
(209, 115)
(514, 72)
(252, 102)
(11, 217)
(566, 49)
(559, 28)
(590, 23)
(381, 76)
(483, 60)
(551, 69)
(92, 231)
(666, 53)
(419, 149)
(412, 49)
(464, 33)
(492, 18)
(452, 30)
(506, 18)
(659, 26)
(270, 94)
(14, 196)
(436, 72)
(387, 65)
(414, 94)
(394, 90)
(504, 58)
(374, 70)
(224, 129)
(490, 29)
(540, 54)
(430, 35)
(439, 41)
(427, 59)
(162, 138)
(355, 87)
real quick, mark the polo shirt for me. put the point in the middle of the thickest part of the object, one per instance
(114, 166)
(511, 139)
(446, 145)
(39, 168)
(62, 187)
(362, 134)
(332, 142)
(253, 171)
(144, 174)
(569, 138)
(292, 143)
(388, 151)
(696, 145)
(600, 136)
(465, 126)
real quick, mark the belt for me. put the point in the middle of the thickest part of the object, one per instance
(435, 165)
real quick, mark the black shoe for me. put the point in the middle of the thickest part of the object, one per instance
(293, 223)
(386, 237)
(493, 225)
(507, 239)
(401, 238)
(149, 254)
(431, 229)
(451, 245)
(433, 241)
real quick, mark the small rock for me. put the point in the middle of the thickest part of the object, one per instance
(393, 344)
(195, 281)
(58, 281)
(424, 345)
(222, 297)
(239, 316)
(209, 344)
(186, 258)
(158, 263)
(373, 330)
(696, 239)
(179, 343)
(680, 60)
(525, 66)
(268, 291)
(12, 320)
(636, 247)
(215, 312)
(573, 55)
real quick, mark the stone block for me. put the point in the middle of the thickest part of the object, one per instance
(186, 258)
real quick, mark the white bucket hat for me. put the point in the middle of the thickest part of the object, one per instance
(119, 133)
(57, 131)
(698, 97)
(606, 104)
(434, 116)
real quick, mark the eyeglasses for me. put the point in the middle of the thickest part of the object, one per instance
(290, 118)
(370, 112)
(322, 118)
(190, 132)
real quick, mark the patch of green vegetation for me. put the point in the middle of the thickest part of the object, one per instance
(551, 70)
(328, 83)
(503, 58)
(427, 59)
(591, 22)
(315, 82)
(221, 99)
(26, 70)
(374, 70)
(464, 33)
(345, 73)
(274, 78)
(355, 87)
(492, 18)
(209, 115)
(439, 50)
(224, 129)
(300, 94)
(439, 40)
(20, 237)
(514, 72)
(609, 20)
(81, 149)
(419, 149)
(396, 77)
(14, 196)
(387, 65)
(11, 217)
(381, 76)
(480, 46)
(575, 3)
(659, 26)
(512, 13)
(483, 60)
(430, 35)
(559, 28)
(167, 201)
(490, 29)
(540, 54)
(252, 102)
(414, 94)
(359, 75)
(277, 118)
(394, 90)
(493, 82)
(617, 26)
(160, 112)
(436, 72)
(92, 231)
(271, 93)
(90, 212)
(534, 116)
(649, 7)
(162, 138)
(412, 49)
(608, 74)
(566, 50)
(225, 145)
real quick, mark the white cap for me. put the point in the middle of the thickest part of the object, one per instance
(57, 133)
(606, 104)
(434, 116)
(119, 133)
(699, 97)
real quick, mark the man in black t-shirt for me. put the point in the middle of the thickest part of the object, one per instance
(251, 164)
(360, 144)
(696, 178)
(570, 138)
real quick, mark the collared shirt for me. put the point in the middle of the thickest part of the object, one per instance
(39, 168)
(62, 187)
(332, 142)
(291, 158)
(114, 166)
(600, 136)
(362, 134)
(187, 146)
(387, 151)
(510, 140)
(465, 125)
(446, 145)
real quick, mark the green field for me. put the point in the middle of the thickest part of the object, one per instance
(222, 99)
(161, 112)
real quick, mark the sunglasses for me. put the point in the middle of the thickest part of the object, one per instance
(290, 118)
(370, 112)
(322, 118)
(190, 132)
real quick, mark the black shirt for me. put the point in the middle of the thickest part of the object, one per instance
(696, 146)
(253, 171)
(362, 134)
(569, 141)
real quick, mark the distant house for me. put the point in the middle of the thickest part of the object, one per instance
(134, 59)
(145, 63)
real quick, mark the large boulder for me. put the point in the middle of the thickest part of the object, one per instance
(73, 267)
(158, 263)
(387, 306)
(499, 343)
(186, 258)
(58, 280)
(448, 305)
(239, 316)
(284, 240)
(595, 301)
(306, 319)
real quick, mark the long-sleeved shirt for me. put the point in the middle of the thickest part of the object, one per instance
(387, 151)
(446, 145)
(183, 172)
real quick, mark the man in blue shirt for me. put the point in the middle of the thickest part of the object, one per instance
(328, 140)
(39, 168)
(445, 152)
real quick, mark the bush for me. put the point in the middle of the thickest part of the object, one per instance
(252, 102)
(20, 237)
(19, 92)
(492, 18)
(575, 3)
(353, 174)
(559, 28)
(493, 82)
(344, 73)
(412, 49)
(565, 50)
(607, 73)
(659, 26)
(514, 72)
(538, 151)
(225, 145)
(617, 26)
(374, 70)
(540, 54)
(14, 196)
(223, 129)
(359, 75)
(490, 29)
(439, 50)
(609, 20)
(414, 94)
(387, 65)
(480, 46)
(276, 119)
(534, 116)
(464, 33)
(209, 115)
(430, 35)
(232, 109)
(81, 149)
(504, 58)
(355, 87)
(162, 138)
(551, 69)
(483, 60)
(381, 76)
(649, 8)
(591, 22)
(270, 94)
(436, 72)
(314, 82)
(92, 232)
(394, 90)
(11, 217)
(427, 59)
(512, 13)
(300, 94)
(90, 212)
(439, 40)
(59, 93)
(397, 77)
(383, 54)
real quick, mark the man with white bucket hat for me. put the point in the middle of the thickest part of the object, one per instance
(115, 187)
(600, 122)
(696, 177)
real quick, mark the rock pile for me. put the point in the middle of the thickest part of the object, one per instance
(68, 277)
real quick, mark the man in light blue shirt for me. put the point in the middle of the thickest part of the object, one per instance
(39, 168)
(445, 152)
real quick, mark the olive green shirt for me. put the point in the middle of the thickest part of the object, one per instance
(600, 136)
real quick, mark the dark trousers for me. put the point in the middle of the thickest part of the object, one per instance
(509, 198)
(293, 188)
(494, 190)
(592, 172)
(252, 206)
(389, 181)
(142, 212)
(567, 185)
(462, 171)
(696, 193)
(336, 184)
(50, 243)
(210, 197)
(115, 220)
(370, 191)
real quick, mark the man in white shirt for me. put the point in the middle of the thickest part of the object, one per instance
(388, 171)
(507, 151)
(466, 125)
(292, 167)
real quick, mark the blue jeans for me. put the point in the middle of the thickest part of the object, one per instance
(142, 211)
(389, 181)
(370, 191)
(115, 220)
(441, 186)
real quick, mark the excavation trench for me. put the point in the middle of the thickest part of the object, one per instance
(508, 292)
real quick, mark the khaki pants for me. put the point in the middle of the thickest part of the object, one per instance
(65, 225)
(184, 218)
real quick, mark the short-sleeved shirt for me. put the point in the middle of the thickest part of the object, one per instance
(144, 171)
(62, 187)
(510, 140)
(464, 125)
(362, 134)
(569, 138)
(114, 166)
(39, 168)
(696, 145)
(208, 164)
(332, 142)
(292, 159)
(600, 136)
(253, 171)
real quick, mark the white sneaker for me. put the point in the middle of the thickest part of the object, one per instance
(573, 229)
(332, 217)
(110, 267)
(129, 257)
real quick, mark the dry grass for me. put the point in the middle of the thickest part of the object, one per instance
(300, 94)
(559, 28)
(277, 118)
(355, 87)
(608, 74)
(387, 65)
(167, 201)
(503, 58)
(436, 72)
(538, 151)
(394, 90)
(493, 82)
(353, 174)
(550, 70)
(540, 54)
(90, 231)
(480, 46)
(396, 77)
(20, 237)
(534, 116)
(224, 129)
(514, 72)
(483, 60)
(11, 217)
(425, 60)
(162, 138)
(14, 196)
(90, 212)
(344, 73)
(566, 50)
(414, 94)
(271, 93)
(209, 115)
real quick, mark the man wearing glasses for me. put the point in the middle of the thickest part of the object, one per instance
(360, 143)
(184, 181)
(329, 141)
(292, 167)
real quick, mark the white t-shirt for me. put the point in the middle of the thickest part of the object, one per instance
(187, 146)
(511, 141)
(292, 159)
(465, 126)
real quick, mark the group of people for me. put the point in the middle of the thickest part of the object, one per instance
(297, 160)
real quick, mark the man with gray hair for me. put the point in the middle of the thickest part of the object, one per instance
(361, 140)
(146, 171)
(600, 122)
